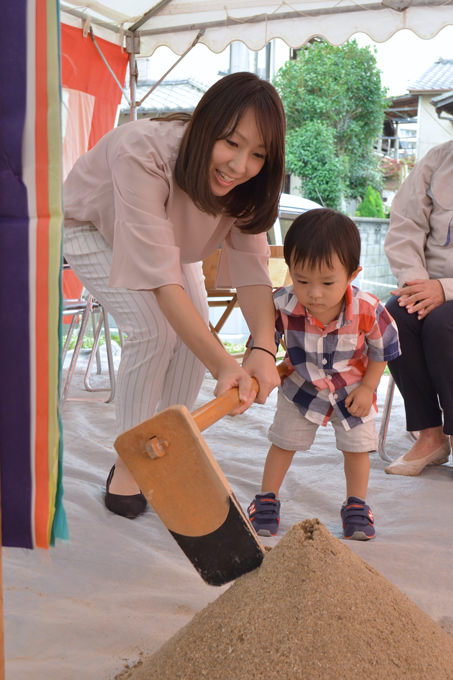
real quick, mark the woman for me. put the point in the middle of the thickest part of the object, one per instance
(142, 209)
(419, 247)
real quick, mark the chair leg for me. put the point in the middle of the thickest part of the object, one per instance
(386, 410)
(102, 322)
(98, 354)
(72, 326)
(85, 315)
(385, 420)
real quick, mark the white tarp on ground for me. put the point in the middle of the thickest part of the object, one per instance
(121, 588)
(177, 23)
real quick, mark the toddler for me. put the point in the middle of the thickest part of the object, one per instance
(338, 340)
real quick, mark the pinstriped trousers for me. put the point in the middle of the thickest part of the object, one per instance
(156, 369)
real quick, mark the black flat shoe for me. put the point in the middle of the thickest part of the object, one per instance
(126, 506)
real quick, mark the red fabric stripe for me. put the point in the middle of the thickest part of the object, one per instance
(41, 283)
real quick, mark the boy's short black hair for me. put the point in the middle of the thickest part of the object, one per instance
(316, 235)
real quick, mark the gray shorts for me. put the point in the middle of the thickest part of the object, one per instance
(293, 432)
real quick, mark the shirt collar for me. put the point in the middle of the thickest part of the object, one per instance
(287, 302)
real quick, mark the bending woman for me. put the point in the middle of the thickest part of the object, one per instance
(419, 247)
(143, 208)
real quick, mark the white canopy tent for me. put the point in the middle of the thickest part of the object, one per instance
(180, 24)
(216, 23)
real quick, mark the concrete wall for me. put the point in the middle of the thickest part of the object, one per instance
(376, 276)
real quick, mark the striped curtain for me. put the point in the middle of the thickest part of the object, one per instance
(30, 255)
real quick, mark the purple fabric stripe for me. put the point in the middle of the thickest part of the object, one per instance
(14, 293)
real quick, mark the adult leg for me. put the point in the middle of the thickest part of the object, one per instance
(437, 339)
(411, 373)
(150, 347)
(413, 377)
(185, 372)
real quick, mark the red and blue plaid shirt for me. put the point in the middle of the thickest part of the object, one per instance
(328, 362)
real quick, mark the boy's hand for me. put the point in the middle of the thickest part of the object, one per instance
(359, 401)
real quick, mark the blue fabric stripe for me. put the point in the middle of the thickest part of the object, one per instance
(14, 285)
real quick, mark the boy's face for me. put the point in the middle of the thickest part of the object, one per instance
(321, 289)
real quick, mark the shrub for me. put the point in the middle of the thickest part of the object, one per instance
(372, 205)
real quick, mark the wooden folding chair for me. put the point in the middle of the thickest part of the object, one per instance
(227, 297)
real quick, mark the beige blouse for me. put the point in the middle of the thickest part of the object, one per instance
(419, 241)
(125, 187)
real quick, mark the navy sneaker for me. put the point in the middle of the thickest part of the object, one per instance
(358, 520)
(264, 514)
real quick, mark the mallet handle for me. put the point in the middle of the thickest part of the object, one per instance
(215, 409)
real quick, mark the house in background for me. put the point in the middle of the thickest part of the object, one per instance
(434, 94)
(421, 118)
(168, 97)
(414, 123)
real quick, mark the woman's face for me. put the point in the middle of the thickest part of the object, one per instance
(237, 158)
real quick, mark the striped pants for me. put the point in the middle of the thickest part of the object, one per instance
(156, 369)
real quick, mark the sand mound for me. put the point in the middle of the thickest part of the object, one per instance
(313, 610)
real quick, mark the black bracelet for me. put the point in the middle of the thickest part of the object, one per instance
(263, 349)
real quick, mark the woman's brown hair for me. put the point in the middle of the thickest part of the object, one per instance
(254, 203)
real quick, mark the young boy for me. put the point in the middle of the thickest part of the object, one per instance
(338, 341)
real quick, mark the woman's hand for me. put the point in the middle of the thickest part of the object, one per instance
(231, 375)
(359, 401)
(262, 366)
(420, 296)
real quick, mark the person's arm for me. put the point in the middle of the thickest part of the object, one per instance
(419, 215)
(420, 296)
(258, 308)
(404, 243)
(360, 399)
(185, 319)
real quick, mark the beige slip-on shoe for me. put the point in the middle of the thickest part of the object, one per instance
(412, 468)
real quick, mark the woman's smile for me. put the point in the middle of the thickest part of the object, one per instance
(238, 157)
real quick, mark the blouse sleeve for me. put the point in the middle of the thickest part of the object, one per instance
(243, 260)
(145, 251)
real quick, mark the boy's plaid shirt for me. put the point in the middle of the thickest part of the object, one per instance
(328, 362)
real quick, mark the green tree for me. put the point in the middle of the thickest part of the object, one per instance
(338, 88)
(316, 164)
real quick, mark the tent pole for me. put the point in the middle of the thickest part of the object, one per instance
(133, 48)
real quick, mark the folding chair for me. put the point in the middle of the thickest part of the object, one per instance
(227, 297)
(386, 410)
(81, 311)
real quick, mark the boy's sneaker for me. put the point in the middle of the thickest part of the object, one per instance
(264, 514)
(358, 520)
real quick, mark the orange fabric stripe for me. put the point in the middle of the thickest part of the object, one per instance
(41, 510)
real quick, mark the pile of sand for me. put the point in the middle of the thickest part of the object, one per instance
(313, 610)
